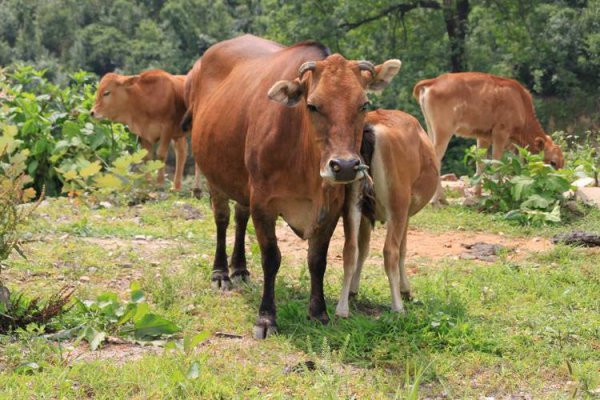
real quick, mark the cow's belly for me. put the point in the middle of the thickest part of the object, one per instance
(298, 213)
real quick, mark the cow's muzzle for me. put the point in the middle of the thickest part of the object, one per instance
(344, 170)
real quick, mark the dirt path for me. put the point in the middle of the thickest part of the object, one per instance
(421, 244)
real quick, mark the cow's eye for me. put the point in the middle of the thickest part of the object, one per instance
(106, 93)
(365, 107)
(312, 108)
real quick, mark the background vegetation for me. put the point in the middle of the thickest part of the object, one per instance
(552, 46)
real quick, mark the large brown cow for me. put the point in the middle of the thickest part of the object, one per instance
(405, 173)
(496, 111)
(151, 105)
(285, 159)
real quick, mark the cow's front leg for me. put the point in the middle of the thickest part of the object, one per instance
(352, 217)
(239, 270)
(163, 150)
(220, 206)
(180, 158)
(318, 245)
(264, 225)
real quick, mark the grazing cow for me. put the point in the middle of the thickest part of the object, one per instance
(496, 111)
(278, 130)
(151, 105)
(405, 173)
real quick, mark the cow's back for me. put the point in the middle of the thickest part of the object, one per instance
(404, 159)
(232, 110)
(475, 103)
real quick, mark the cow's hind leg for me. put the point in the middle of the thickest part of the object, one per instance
(239, 270)
(180, 158)
(441, 136)
(264, 224)
(392, 256)
(197, 190)
(220, 206)
(404, 283)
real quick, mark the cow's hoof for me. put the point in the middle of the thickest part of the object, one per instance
(440, 203)
(406, 296)
(339, 313)
(220, 280)
(400, 310)
(239, 277)
(197, 192)
(321, 317)
(263, 328)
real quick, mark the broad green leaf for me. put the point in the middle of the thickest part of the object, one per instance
(190, 342)
(152, 325)
(90, 170)
(108, 181)
(70, 175)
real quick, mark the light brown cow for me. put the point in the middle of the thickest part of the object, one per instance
(151, 105)
(496, 111)
(278, 130)
(405, 173)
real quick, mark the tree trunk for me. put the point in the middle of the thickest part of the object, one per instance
(456, 14)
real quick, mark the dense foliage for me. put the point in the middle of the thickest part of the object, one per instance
(522, 187)
(552, 46)
(55, 126)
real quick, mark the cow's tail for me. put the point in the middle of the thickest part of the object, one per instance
(186, 121)
(419, 87)
(367, 196)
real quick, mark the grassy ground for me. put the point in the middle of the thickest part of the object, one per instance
(519, 327)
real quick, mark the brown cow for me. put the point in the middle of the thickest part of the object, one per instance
(285, 159)
(405, 173)
(495, 111)
(151, 105)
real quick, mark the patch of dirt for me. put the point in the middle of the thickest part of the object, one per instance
(117, 351)
(421, 244)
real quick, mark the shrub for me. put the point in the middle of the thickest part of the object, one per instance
(12, 192)
(54, 123)
(522, 187)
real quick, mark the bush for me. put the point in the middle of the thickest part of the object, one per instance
(54, 123)
(12, 192)
(522, 187)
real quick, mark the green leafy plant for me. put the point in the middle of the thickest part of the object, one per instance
(522, 187)
(55, 125)
(127, 180)
(13, 192)
(94, 320)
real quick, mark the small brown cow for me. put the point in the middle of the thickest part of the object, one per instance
(151, 105)
(496, 111)
(405, 173)
(278, 129)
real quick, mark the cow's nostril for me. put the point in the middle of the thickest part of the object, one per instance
(335, 166)
(356, 162)
(92, 113)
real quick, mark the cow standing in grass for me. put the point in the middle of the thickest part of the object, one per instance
(405, 173)
(151, 105)
(496, 111)
(278, 129)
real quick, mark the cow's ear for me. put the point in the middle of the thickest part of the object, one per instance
(287, 93)
(130, 81)
(540, 143)
(384, 73)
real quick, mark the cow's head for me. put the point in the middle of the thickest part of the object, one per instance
(112, 96)
(552, 153)
(334, 94)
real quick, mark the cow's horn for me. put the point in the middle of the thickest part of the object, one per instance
(307, 66)
(367, 66)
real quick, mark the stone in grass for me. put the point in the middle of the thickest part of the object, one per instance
(578, 238)
(589, 196)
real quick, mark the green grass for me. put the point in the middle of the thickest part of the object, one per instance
(529, 325)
